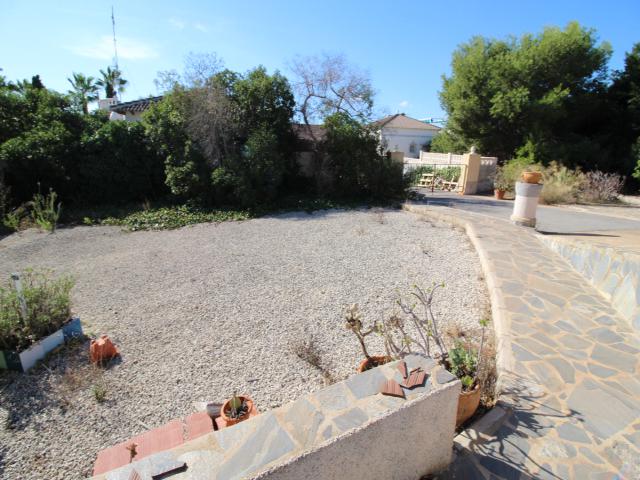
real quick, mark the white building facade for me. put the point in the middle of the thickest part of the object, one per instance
(399, 133)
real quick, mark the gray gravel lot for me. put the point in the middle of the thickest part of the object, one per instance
(204, 310)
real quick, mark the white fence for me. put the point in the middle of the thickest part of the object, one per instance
(488, 166)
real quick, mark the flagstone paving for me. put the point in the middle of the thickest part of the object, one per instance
(568, 365)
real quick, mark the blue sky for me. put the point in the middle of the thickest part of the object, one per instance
(404, 45)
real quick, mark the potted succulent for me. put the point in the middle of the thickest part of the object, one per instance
(465, 363)
(35, 318)
(353, 322)
(237, 409)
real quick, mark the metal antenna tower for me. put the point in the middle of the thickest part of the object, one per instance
(115, 47)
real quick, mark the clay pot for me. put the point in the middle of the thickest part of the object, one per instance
(226, 407)
(467, 405)
(531, 177)
(372, 362)
(102, 349)
(499, 194)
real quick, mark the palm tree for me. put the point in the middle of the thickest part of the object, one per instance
(84, 90)
(112, 82)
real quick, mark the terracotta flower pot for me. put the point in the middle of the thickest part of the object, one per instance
(467, 405)
(499, 194)
(372, 362)
(226, 409)
(102, 349)
(531, 177)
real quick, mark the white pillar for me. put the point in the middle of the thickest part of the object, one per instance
(526, 204)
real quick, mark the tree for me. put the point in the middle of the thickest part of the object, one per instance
(326, 84)
(84, 90)
(502, 94)
(198, 69)
(624, 95)
(355, 164)
(228, 139)
(112, 82)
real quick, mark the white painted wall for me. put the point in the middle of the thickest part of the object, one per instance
(401, 139)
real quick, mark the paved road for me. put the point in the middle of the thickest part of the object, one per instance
(550, 219)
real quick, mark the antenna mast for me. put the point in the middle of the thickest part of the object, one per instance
(115, 48)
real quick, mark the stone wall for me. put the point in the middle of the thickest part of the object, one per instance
(613, 270)
(346, 430)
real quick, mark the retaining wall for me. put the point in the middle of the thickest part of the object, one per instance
(346, 430)
(614, 271)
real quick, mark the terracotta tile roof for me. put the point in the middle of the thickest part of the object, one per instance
(400, 120)
(135, 106)
(304, 132)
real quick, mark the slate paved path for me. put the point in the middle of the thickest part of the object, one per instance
(568, 367)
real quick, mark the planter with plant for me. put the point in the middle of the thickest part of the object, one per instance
(416, 330)
(237, 409)
(465, 363)
(501, 184)
(353, 322)
(35, 318)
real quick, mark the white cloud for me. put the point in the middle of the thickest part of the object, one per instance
(177, 23)
(200, 26)
(128, 49)
(404, 103)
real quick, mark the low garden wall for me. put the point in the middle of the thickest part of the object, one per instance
(346, 430)
(613, 270)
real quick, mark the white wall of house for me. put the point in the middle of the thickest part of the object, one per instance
(407, 140)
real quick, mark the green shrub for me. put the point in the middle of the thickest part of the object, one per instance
(168, 218)
(355, 165)
(47, 308)
(413, 176)
(118, 163)
(45, 212)
(561, 184)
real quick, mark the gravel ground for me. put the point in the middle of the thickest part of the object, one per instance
(204, 310)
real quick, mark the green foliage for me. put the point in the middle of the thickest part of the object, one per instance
(446, 142)
(119, 164)
(500, 181)
(355, 164)
(561, 184)
(168, 218)
(48, 307)
(84, 90)
(542, 89)
(463, 363)
(229, 140)
(112, 82)
(636, 156)
(45, 212)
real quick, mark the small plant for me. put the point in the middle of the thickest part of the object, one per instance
(45, 212)
(601, 187)
(353, 322)
(500, 181)
(99, 391)
(379, 216)
(237, 406)
(465, 362)
(308, 351)
(33, 308)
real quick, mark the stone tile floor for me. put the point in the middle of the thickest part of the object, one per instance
(568, 366)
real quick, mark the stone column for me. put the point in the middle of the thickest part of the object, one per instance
(471, 161)
(526, 204)
(397, 156)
